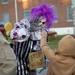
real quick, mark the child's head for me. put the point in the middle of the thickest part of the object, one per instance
(66, 46)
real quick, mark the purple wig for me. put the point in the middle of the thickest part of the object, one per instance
(46, 11)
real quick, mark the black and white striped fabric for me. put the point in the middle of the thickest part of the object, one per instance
(22, 50)
(35, 46)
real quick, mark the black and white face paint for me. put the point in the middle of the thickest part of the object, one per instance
(39, 22)
(42, 22)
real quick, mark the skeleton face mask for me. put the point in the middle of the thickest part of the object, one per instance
(42, 22)
(38, 23)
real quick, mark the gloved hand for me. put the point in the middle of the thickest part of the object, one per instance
(43, 38)
(44, 34)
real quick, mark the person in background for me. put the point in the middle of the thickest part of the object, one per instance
(8, 63)
(62, 61)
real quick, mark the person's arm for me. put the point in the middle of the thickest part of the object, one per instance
(49, 53)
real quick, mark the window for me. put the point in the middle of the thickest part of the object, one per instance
(69, 13)
(6, 17)
(27, 14)
(55, 10)
(4, 1)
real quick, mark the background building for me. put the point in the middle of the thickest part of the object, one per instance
(23, 7)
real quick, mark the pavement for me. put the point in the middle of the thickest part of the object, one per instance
(42, 71)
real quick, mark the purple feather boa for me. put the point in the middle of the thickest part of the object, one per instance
(46, 11)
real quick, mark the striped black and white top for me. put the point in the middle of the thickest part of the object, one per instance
(22, 50)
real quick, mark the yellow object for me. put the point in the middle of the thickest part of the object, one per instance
(8, 27)
(7, 33)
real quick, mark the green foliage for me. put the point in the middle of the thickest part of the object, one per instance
(53, 41)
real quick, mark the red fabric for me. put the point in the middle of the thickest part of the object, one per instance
(52, 33)
(2, 29)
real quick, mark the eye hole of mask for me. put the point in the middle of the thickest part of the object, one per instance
(43, 22)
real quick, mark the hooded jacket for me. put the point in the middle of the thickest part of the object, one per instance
(8, 63)
(61, 62)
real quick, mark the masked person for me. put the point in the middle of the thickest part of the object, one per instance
(41, 18)
(62, 61)
(27, 34)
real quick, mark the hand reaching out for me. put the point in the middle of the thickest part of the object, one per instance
(44, 34)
